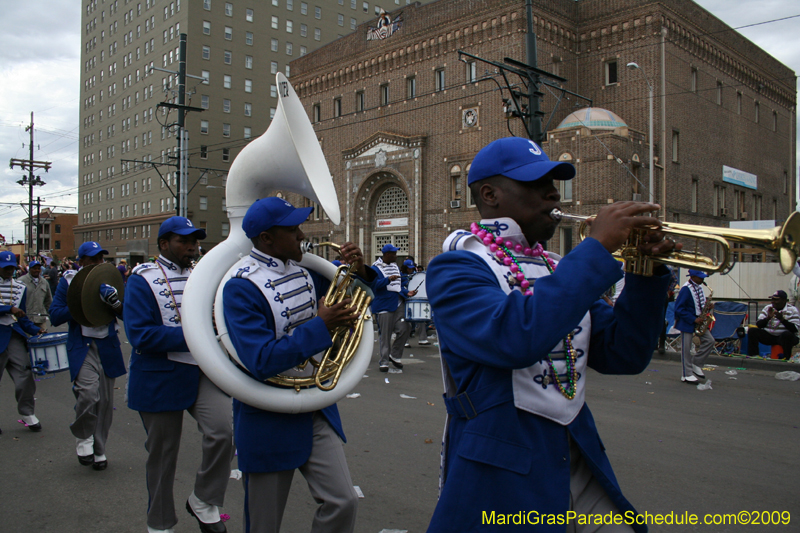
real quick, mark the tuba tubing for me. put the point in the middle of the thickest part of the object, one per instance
(286, 157)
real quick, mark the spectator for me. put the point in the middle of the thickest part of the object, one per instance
(51, 275)
(389, 310)
(39, 296)
(123, 269)
(777, 325)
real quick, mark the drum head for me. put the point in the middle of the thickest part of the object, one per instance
(417, 282)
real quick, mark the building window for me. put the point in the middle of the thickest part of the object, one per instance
(456, 183)
(206, 27)
(248, 38)
(248, 132)
(58, 245)
(207, 5)
(337, 107)
(774, 121)
(303, 50)
(226, 130)
(204, 203)
(693, 84)
(273, 91)
(695, 186)
(317, 13)
(228, 9)
(317, 34)
(206, 52)
(206, 75)
(271, 113)
(757, 207)
(248, 62)
(365, 7)
(360, 101)
(248, 109)
(57, 228)
(226, 105)
(340, 19)
(248, 15)
(226, 229)
(248, 86)
(204, 127)
(274, 23)
(438, 75)
(228, 57)
(226, 154)
(315, 117)
(611, 73)
(289, 26)
(203, 154)
(384, 93)
(393, 201)
(565, 238)
(274, 45)
(353, 24)
(290, 5)
(758, 112)
(303, 8)
(411, 87)
(472, 71)
(675, 145)
(228, 33)
(226, 81)
(288, 49)
(719, 93)
(738, 102)
(303, 30)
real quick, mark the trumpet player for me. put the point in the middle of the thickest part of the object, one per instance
(518, 329)
(691, 310)
(277, 319)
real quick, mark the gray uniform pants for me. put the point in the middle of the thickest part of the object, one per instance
(587, 496)
(94, 406)
(17, 362)
(213, 412)
(703, 351)
(328, 480)
(393, 323)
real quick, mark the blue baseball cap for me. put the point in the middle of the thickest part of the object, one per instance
(389, 248)
(268, 212)
(8, 259)
(90, 249)
(336, 262)
(409, 263)
(33, 264)
(518, 159)
(180, 226)
(698, 273)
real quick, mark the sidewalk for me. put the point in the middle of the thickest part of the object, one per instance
(750, 363)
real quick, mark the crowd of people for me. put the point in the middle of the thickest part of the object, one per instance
(518, 327)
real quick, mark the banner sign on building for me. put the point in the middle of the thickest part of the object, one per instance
(739, 177)
(386, 27)
(392, 222)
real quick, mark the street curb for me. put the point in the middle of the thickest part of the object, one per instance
(750, 363)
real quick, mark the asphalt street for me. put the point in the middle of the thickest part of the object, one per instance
(674, 449)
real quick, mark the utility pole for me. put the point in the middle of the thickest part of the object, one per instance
(30, 181)
(38, 225)
(534, 94)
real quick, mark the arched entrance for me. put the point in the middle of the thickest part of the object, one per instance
(391, 220)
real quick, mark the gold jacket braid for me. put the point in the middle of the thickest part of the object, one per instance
(708, 315)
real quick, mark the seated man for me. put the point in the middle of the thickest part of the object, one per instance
(777, 324)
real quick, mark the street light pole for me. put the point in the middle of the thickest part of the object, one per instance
(634, 66)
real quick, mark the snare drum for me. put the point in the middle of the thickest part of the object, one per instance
(48, 353)
(418, 310)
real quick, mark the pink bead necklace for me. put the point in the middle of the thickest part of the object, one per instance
(500, 247)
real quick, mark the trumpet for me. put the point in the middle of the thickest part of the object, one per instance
(346, 339)
(783, 241)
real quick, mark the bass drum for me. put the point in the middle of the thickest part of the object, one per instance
(418, 309)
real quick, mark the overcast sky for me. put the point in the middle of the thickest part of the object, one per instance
(40, 45)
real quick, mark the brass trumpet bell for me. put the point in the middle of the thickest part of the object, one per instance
(783, 241)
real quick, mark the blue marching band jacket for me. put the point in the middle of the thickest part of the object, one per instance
(688, 305)
(508, 426)
(271, 315)
(163, 374)
(80, 337)
(12, 294)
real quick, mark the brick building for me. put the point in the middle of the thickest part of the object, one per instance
(54, 233)
(237, 48)
(401, 118)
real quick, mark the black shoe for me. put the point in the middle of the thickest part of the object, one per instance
(99, 465)
(216, 527)
(86, 460)
(383, 368)
(397, 364)
(36, 427)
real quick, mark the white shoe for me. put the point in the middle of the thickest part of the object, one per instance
(423, 343)
(152, 530)
(85, 447)
(204, 512)
(690, 379)
(698, 371)
(407, 345)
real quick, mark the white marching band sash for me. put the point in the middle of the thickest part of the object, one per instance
(534, 388)
(168, 292)
(289, 290)
(11, 292)
(698, 296)
(99, 332)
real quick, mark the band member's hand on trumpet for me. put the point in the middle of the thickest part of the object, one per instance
(613, 225)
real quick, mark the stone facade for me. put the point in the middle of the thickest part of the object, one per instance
(407, 112)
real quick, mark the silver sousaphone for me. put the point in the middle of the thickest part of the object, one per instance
(286, 157)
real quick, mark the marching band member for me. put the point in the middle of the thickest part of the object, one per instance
(165, 381)
(39, 296)
(95, 361)
(689, 308)
(408, 270)
(388, 308)
(517, 330)
(275, 314)
(14, 324)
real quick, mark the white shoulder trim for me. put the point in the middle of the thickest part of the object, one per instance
(144, 266)
(462, 240)
(69, 274)
(245, 268)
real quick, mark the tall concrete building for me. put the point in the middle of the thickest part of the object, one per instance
(128, 180)
(402, 118)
